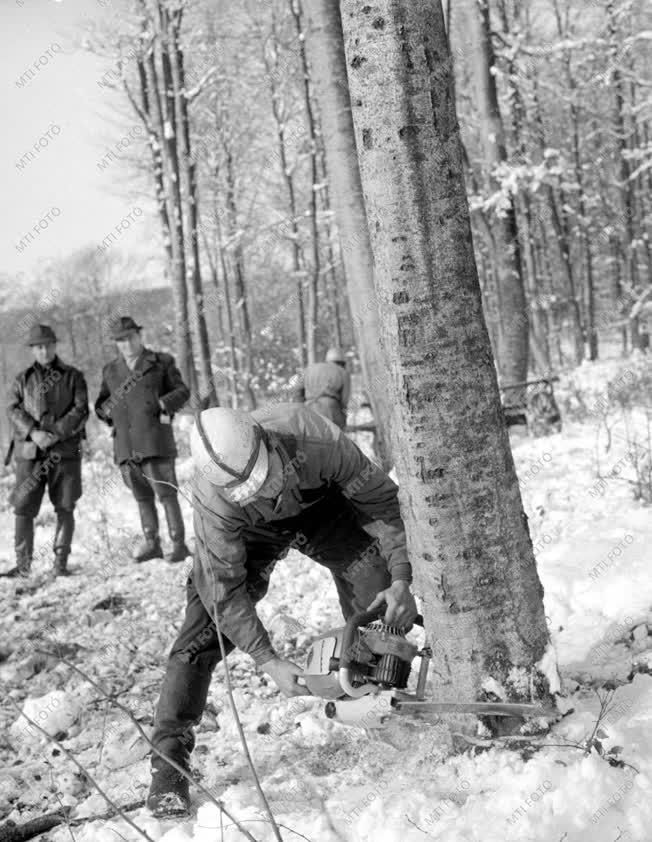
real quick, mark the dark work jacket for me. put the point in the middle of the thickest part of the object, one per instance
(317, 459)
(129, 403)
(53, 398)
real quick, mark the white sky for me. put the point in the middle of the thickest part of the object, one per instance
(64, 173)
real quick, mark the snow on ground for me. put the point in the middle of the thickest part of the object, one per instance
(325, 781)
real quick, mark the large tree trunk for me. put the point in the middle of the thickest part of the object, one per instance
(326, 54)
(468, 538)
(512, 350)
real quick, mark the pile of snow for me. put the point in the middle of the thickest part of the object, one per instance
(55, 713)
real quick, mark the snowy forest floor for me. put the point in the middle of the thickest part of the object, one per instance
(325, 781)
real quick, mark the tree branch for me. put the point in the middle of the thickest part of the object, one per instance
(72, 757)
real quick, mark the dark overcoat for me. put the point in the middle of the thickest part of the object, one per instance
(53, 398)
(129, 403)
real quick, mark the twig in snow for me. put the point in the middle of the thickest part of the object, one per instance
(72, 757)
(284, 826)
(412, 822)
(64, 812)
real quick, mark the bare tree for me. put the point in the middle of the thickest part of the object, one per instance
(512, 347)
(327, 58)
(467, 533)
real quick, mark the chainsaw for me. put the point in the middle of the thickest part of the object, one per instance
(363, 668)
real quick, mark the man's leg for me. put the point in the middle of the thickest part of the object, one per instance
(26, 499)
(135, 479)
(337, 541)
(194, 656)
(64, 489)
(162, 477)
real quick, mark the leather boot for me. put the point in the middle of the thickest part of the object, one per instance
(61, 563)
(151, 547)
(62, 541)
(180, 706)
(24, 544)
(176, 530)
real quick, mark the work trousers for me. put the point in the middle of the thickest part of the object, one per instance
(334, 539)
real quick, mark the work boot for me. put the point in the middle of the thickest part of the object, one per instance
(176, 530)
(179, 709)
(63, 540)
(151, 547)
(61, 563)
(169, 792)
(148, 549)
(24, 544)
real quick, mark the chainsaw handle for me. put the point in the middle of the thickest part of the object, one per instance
(353, 623)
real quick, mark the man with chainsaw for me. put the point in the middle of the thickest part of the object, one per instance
(265, 482)
(326, 387)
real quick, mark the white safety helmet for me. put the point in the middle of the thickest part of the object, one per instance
(335, 355)
(228, 448)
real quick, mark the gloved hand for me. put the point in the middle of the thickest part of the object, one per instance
(42, 439)
(401, 607)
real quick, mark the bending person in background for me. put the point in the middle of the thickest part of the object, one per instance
(48, 408)
(326, 387)
(266, 482)
(140, 393)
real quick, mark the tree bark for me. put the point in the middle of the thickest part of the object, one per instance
(206, 393)
(589, 293)
(279, 118)
(164, 99)
(512, 351)
(326, 53)
(228, 311)
(313, 283)
(151, 112)
(560, 224)
(630, 227)
(331, 275)
(468, 538)
(239, 285)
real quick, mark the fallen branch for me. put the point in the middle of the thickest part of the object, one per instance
(12, 832)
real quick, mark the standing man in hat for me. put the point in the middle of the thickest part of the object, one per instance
(140, 393)
(48, 408)
(326, 387)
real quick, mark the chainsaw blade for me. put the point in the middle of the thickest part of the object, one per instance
(482, 708)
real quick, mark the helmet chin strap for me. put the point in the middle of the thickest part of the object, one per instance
(239, 476)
